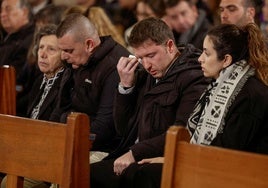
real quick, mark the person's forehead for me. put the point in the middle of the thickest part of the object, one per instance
(237, 3)
(49, 39)
(146, 48)
(183, 5)
(9, 2)
(143, 7)
(67, 37)
(66, 41)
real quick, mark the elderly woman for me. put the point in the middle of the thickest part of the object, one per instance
(43, 96)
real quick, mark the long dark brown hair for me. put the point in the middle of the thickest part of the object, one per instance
(246, 42)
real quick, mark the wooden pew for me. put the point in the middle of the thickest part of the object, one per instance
(7, 90)
(46, 151)
(193, 166)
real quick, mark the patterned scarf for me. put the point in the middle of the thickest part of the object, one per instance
(208, 117)
(47, 85)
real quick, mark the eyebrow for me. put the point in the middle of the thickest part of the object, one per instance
(228, 7)
(205, 49)
(68, 50)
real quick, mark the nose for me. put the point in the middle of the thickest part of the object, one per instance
(2, 11)
(201, 59)
(145, 63)
(42, 53)
(3, 14)
(64, 55)
(224, 14)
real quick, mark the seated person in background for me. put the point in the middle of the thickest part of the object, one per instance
(44, 93)
(235, 104)
(104, 25)
(16, 35)
(89, 86)
(145, 9)
(18, 26)
(51, 14)
(264, 21)
(1, 32)
(149, 99)
(125, 15)
(37, 5)
(189, 24)
(238, 12)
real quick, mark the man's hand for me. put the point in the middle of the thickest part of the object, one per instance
(126, 69)
(123, 162)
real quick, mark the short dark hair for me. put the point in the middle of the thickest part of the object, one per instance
(173, 3)
(51, 14)
(158, 6)
(251, 3)
(151, 28)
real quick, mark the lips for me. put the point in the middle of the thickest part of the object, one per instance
(153, 73)
(4, 22)
(42, 63)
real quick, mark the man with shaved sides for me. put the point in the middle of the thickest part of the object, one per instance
(89, 86)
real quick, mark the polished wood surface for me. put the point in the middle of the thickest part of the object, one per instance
(46, 151)
(7, 90)
(194, 166)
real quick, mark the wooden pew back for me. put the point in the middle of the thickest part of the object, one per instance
(46, 151)
(7, 90)
(188, 165)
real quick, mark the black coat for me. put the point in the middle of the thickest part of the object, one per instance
(152, 108)
(246, 123)
(14, 49)
(92, 89)
(48, 107)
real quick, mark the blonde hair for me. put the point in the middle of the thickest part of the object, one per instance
(103, 24)
(73, 9)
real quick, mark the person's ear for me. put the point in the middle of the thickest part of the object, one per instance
(195, 10)
(25, 11)
(170, 45)
(89, 43)
(251, 13)
(227, 60)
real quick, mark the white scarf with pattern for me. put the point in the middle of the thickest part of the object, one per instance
(208, 117)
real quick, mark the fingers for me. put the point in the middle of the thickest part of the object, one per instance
(126, 70)
(127, 65)
(152, 160)
(119, 167)
(123, 162)
(144, 161)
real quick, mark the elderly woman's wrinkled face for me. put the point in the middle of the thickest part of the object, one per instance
(49, 55)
